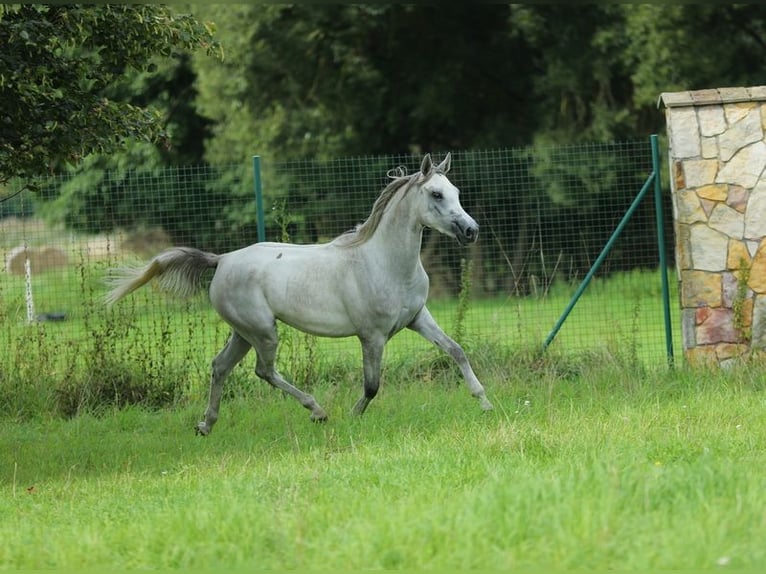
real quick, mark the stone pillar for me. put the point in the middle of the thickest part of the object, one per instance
(717, 159)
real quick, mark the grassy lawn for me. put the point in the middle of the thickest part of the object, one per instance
(596, 455)
(591, 467)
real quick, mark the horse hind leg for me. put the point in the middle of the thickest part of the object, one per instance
(266, 349)
(233, 352)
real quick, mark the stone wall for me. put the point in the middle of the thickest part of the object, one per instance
(717, 158)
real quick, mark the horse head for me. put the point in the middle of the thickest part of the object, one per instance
(440, 203)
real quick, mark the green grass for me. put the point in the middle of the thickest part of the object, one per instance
(596, 456)
(586, 467)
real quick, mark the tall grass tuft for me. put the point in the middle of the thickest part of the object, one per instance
(155, 352)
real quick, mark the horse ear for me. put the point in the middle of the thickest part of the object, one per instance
(443, 167)
(426, 165)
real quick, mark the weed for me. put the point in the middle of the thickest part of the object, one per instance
(463, 300)
(154, 351)
(742, 322)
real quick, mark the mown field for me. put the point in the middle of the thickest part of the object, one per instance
(594, 468)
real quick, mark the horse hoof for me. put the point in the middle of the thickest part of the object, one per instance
(319, 417)
(486, 405)
(201, 429)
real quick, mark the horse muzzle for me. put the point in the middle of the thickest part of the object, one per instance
(466, 232)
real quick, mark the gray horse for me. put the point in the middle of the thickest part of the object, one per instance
(369, 283)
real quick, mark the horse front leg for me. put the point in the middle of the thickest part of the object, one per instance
(372, 357)
(425, 325)
(266, 348)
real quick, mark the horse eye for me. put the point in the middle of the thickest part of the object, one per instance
(437, 194)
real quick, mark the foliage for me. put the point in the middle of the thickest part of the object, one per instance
(670, 47)
(206, 207)
(323, 80)
(60, 65)
(326, 81)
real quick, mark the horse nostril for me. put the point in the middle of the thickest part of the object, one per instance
(471, 233)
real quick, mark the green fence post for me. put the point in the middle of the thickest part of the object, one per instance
(260, 219)
(661, 248)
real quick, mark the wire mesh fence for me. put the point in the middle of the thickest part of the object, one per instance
(544, 215)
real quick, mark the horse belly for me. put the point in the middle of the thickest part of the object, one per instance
(323, 315)
(298, 285)
(310, 295)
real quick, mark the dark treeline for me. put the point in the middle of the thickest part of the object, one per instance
(315, 82)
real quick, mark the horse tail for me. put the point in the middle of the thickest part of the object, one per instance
(180, 270)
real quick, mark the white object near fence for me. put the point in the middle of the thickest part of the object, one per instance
(31, 318)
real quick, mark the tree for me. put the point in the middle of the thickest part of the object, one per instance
(693, 46)
(59, 71)
(327, 80)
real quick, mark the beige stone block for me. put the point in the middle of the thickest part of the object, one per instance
(700, 172)
(706, 97)
(728, 221)
(712, 121)
(757, 93)
(757, 280)
(684, 132)
(744, 131)
(673, 99)
(708, 248)
(709, 148)
(755, 216)
(735, 94)
(703, 356)
(688, 328)
(700, 288)
(707, 207)
(715, 192)
(745, 167)
(758, 331)
(737, 254)
(689, 208)
(683, 250)
(728, 351)
(734, 112)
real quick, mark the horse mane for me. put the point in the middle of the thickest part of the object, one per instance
(400, 181)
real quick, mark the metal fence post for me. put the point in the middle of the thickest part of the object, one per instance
(260, 219)
(661, 247)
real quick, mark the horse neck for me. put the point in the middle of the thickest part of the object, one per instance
(398, 236)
